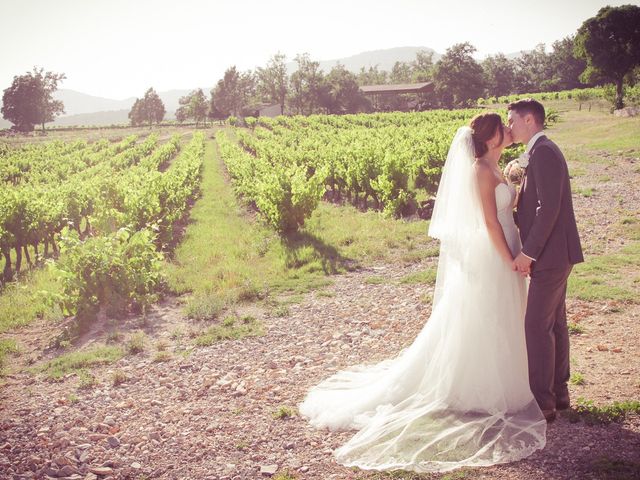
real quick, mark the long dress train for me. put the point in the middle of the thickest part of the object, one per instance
(459, 394)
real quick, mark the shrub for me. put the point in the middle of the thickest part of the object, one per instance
(118, 271)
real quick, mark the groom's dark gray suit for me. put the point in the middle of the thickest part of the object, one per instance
(549, 235)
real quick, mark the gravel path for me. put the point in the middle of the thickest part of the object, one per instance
(212, 414)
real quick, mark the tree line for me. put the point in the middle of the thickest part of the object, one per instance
(605, 49)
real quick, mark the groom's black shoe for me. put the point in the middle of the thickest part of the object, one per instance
(563, 403)
(549, 415)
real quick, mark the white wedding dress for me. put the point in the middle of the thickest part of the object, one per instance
(459, 394)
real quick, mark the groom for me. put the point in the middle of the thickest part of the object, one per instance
(551, 246)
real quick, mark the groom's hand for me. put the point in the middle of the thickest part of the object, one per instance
(522, 264)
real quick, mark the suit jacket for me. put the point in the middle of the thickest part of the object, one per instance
(545, 214)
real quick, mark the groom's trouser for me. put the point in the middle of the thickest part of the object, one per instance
(548, 336)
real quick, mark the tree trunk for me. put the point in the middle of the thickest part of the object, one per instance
(26, 255)
(619, 94)
(87, 228)
(18, 257)
(7, 273)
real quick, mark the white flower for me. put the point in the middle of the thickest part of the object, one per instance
(523, 160)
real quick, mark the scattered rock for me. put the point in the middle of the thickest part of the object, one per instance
(268, 470)
(101, 471)
(113, 442)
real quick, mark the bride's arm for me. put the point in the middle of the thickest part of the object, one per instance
(487, 187)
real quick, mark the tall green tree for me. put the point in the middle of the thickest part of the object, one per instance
(372, 76)
(458, 77)
(233, 92)
(194, 106)
(308, 89)
(344, 91)
(29, 100)
(499, 75)
(422, 67)
(273, 81)
(148, 109)
(610, 45)
(566, 68)
(214, 113)
(533, 71)
(401, 72)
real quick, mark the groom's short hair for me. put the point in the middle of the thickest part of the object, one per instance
(529, 105)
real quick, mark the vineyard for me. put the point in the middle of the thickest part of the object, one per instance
(221, 274)
(109, 208)
(580, 95)
(384, 161)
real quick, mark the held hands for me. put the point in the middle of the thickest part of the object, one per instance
(522, 264)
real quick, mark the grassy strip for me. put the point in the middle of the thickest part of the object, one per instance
(587, 132)
(23, 301)
(591, 414)
(608, 277)
(231, 328)
(462, 473)
(427, 276)
(606, 468)
(228, 256)
(75, 361)
(8, 346)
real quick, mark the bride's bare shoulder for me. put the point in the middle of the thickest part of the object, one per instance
(482, 170)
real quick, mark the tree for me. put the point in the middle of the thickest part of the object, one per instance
(533, 71)
(373, 76)
(401, 72)
(307, 87)
(458, 77)
(273, 81)
(149, 109)
(136, 114)
(610, 45)
(29, 100)
(182, 113)
(194, 105)
(565, 66)
(344, 92)
(422, 67)
(213, 112)
(233, 92)
(499, 75)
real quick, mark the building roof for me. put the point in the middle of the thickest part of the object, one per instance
(398, 88)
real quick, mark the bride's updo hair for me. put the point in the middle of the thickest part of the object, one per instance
(484, 127)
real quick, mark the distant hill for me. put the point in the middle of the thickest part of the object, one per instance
(109, 117)
(83, 109)
(384, 59)
(76, 103)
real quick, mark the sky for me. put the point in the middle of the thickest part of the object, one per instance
(118, 48)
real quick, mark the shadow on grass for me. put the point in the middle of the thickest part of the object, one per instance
(307, 252)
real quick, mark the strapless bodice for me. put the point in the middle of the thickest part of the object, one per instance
(505, 200)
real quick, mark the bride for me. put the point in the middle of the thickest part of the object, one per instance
(459, 395)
